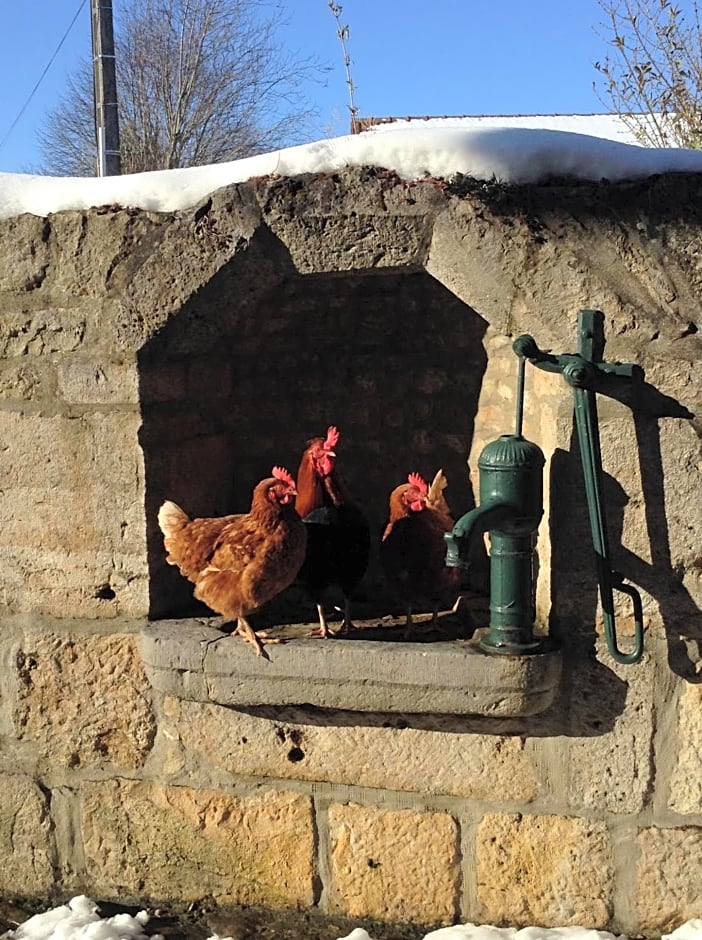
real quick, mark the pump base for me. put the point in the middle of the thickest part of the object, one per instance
(507, 647)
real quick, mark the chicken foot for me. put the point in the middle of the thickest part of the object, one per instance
(347, 624)
(324, 630)
(257, 638)
(411, 628)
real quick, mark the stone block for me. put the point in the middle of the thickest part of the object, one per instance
(551, 870)
(668, 876)
(98, 383)
(83, 701)
(482, 767)
(686, 778)
(208, 379)
(22, 381)
(399, 866)
(352, 243)
(26, 253)
(71, 514)
(26, 839)
(163, 382)
(59, 452)
(74, 583)
(609, 763)
(43, 332)
(179, 843)
(95, 247)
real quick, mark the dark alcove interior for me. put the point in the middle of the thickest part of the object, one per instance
(231, 387)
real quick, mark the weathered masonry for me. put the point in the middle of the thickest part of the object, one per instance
(147, 356)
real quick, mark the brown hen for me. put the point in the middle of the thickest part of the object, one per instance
(238, 563)
(413, 550)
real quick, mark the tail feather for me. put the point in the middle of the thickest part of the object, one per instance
(435, 496)
(172, 519)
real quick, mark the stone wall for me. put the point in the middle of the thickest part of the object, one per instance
(147, 356)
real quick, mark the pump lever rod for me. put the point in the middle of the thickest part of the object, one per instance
(608, 580)
(583, 372)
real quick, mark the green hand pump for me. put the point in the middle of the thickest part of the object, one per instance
(511, 501)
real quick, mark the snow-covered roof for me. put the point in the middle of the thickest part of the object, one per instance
(607, 126)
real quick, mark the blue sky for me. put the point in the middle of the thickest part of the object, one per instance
(409, 57)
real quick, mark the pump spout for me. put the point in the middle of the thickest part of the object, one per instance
(493, 514)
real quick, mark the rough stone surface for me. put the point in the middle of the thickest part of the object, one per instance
(26, 838)
(397, 866)
(70, 489)
(686, 779)
(83, 701)
(148, 841)
(611, 765)
(543, 870)
(482, 767)
(668, 870)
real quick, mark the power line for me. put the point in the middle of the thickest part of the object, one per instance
(42, 76)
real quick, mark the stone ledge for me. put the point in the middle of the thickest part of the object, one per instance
(197, 663)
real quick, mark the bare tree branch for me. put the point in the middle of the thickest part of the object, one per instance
(343, 32)
(653, 77)
(199, 81)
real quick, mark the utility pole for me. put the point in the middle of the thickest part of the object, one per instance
(105, 89)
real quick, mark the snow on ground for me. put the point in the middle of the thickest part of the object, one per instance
(80, 920)
(511, 154)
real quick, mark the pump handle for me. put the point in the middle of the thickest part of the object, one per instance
(583, 372)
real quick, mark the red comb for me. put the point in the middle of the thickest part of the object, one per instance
(332, 438)
(280, 473)
(414, 479)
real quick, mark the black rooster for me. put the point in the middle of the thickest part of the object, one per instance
(338, 534)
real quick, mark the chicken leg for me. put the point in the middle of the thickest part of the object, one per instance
(325, 631)
(347, 624)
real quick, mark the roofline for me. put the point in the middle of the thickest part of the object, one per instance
(360, 124)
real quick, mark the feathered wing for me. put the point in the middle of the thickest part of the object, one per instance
(250, 565)
(413, 558)
(338, 547)
(189, 542)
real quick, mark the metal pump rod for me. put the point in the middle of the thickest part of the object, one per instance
(518, 424)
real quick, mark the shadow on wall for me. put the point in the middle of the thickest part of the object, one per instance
(574, 579)
(231, 388)
(681, 616)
